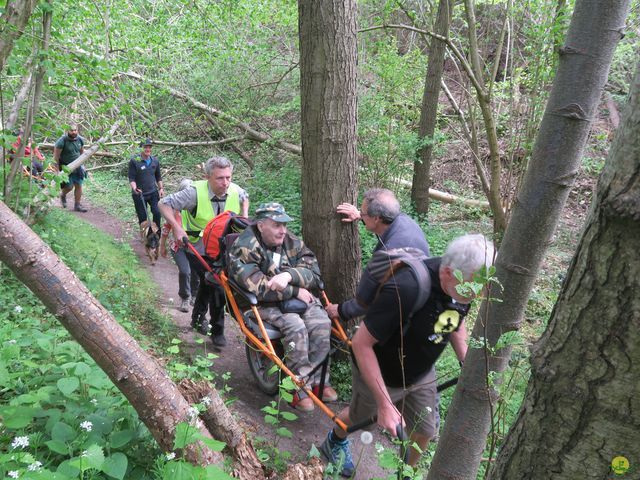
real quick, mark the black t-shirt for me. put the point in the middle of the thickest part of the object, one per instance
(404, 359)
(145, 176)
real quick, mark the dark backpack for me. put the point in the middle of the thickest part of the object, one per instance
(385, 263)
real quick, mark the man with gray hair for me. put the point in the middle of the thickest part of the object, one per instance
(380, 213)
(200, 203)
(394, 352)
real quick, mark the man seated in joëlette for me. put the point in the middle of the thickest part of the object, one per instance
(276, 266)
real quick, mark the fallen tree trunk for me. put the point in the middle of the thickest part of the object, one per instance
(159, 403)
(251, 134)
(451, 198)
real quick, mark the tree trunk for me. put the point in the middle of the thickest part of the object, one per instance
(581, 407)
(155, 397)
(328, 57)
(35, 101)
(484, 101)
(429, 111)
(582, 73)
(12, 22)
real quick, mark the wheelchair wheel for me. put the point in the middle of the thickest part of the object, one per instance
(260, 364)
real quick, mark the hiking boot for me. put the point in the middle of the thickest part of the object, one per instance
(328, 393)
(338, 453)
(63, 200)
(79, 208)
(302, 402)
(184, 305)
(219, 340)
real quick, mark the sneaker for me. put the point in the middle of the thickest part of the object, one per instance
(328, 393)
(63, 200)
(338, 453)
(184, 305)
(219, 340)
(79, 208)
(302, 402)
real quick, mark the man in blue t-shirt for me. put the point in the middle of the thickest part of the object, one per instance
(67, 149)
(395, 353)
(146, 183)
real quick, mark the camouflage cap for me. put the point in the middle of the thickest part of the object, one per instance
(274, 211)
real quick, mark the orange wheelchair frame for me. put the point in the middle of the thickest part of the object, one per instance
(264, 345)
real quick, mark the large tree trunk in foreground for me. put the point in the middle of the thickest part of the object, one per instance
(12, 22)
(329, 167)
(582, 407)
(155, 397)
(429, 110)
(596, 28)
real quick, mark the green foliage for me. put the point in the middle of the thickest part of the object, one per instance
(53, 394)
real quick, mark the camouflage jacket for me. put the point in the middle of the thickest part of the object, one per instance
(251, 265)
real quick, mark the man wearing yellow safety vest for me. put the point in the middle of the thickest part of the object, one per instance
(204, 200)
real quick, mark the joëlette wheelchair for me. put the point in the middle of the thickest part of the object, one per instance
(263, 344)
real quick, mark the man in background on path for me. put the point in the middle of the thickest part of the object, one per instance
(200, 203)
(145, 180)
(67, 149)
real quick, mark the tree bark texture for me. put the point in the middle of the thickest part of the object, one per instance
(328, 61)
(155, 397)
(12, 22)
(596, 28)
(582, 407)
(429, 110)
(484, 102)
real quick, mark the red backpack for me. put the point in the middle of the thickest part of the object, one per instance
(215, 231)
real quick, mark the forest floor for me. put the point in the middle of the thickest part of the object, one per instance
(308, 429)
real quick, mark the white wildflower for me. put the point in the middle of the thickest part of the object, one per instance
(171, 456)
(88, 426)
(18, 309)
(13, 474)
(12, 341)
(379, 448)
(429, 410)
(20, 442)
(94, 401)
(122, 286)
(35, 466)
(193, 412)
(291, 346)
(366, 437)
(206, 401)
(171, 300)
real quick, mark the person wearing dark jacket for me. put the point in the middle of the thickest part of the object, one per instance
(146, 183)
(380, 213)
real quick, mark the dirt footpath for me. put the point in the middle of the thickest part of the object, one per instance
(308, 429)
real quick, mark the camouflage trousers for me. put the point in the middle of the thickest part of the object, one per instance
(306, 339)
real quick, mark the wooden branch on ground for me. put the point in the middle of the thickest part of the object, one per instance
(234, 147)
(50, 146)
(450, 198)
(251, 133)
(111, 165)
(93, 149)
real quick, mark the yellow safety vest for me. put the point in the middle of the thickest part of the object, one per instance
(194, 225)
